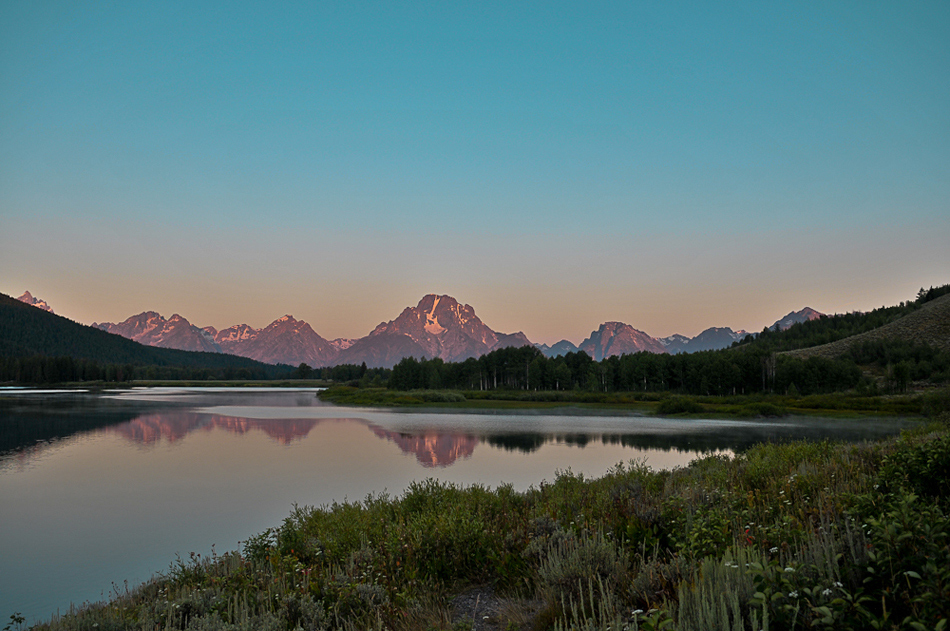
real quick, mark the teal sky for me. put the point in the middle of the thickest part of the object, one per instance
(670, 165)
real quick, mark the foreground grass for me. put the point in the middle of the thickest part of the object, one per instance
(741, 406)
(793, 536)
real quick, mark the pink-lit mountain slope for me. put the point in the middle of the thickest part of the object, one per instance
(795, 317)
(284, 341)
(437, 327)
(152, 329)
(39, 303)
(617, 338)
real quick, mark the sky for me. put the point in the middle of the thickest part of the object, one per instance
(556, 165)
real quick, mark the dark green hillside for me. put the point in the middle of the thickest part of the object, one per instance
(929, 325)
(828, 329)
(31, 337)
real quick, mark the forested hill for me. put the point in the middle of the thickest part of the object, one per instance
(930, 325)
(828, 329)
(27, 332)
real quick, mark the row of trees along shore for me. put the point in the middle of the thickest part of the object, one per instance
(706, 373)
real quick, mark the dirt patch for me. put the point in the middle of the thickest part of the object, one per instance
(481, 609)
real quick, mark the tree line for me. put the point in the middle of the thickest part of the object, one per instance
(703, 373)
(353, 374)
(40, 369)
(722, 372)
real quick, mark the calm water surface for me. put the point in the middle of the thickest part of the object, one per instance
(100, 491)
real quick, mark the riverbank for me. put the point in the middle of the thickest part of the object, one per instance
(849, 536)
(736, 406)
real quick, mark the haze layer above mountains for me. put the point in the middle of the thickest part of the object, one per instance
(438, 326)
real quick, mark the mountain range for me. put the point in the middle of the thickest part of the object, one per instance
(437, 327)
(33, 333)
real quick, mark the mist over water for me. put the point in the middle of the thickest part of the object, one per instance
(98, 490)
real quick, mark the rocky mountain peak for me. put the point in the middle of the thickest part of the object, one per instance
(438, 326)
(150, 328)
(617, 338)
(796, 317)
(39, 303)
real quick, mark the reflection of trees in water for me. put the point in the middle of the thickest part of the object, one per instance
(517, 442)
(528, 443)
(575, 440)
(734, 437)
(21, 430)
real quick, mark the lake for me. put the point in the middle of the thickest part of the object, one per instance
(101, 491)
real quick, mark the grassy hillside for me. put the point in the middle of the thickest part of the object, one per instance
(930, 325)
(828, 329)
(28, 332)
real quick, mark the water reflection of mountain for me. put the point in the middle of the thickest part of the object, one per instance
(432, 449)
(26, 433)
(27, 429)
(173, 426)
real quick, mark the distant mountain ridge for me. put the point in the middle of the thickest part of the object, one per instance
(711, 339)
(559, 348)
(284, 341)
(437, 327)
(28, 332)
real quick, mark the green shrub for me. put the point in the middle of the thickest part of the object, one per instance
(574, 563)
(767, 410)
(920, 468)
(679, 405)
(717, 593)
